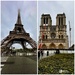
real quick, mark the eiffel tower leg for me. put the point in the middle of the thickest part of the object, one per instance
(23, 45)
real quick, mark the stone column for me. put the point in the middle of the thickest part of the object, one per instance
(64, 20)
(48, 21)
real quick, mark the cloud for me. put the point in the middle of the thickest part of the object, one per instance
(9, 12)
(56, 7)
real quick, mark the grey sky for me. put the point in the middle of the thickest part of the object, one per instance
(56, 7)
(9, 13)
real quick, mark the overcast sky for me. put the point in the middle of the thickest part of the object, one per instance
(58, 7)
(9, 13)
(28, 10)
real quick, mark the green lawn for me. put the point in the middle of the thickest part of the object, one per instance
(53, 64)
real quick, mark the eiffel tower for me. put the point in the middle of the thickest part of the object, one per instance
(17, 35)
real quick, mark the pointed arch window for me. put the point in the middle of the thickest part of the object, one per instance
(44, 20)
(46, 36)
(62, 36)
(53, 35)
(61, 20)
(59, 36)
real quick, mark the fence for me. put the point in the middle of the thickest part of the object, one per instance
(46, 52)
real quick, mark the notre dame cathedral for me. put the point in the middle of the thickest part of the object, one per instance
(53, 36)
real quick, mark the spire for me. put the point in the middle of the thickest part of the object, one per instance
(19, 18)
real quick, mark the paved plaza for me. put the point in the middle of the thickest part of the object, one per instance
(19, 65)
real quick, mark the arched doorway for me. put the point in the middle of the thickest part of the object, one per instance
(60, 46)
(44, 46)
(52, 46)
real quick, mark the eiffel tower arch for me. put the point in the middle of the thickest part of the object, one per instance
(17, 35)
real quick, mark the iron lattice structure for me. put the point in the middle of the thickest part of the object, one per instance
(17, 35)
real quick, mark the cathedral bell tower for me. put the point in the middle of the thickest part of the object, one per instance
(46, 19)
(46, 22)
(61, 28)
(61, 19)
(61, 25)
(53, 36)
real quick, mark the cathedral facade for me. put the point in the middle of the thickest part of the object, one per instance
(53, 36)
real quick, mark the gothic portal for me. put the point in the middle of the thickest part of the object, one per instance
(17, 35)
(53, 36)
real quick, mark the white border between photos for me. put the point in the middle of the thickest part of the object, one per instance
(37, 34)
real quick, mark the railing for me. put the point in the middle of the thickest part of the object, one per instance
(49, 52)
(19, 33)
